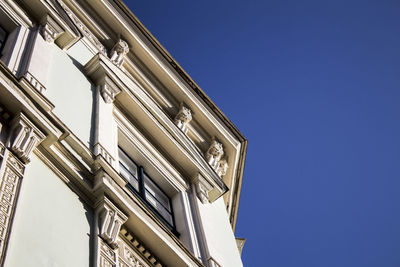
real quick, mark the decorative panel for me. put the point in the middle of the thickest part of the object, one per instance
(11, 173)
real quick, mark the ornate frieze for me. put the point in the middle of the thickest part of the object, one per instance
(50, 30)
(26, 136)
(131, 253)
(110, 221)
(108, 256)
(119, 52)
(183, 117)
(83, 29)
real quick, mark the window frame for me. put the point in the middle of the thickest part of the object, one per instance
(141, 192)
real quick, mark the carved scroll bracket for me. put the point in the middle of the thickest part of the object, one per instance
(26, 136)
(110, 221)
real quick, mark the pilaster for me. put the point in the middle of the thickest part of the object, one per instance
(39, 51)
(106, 133)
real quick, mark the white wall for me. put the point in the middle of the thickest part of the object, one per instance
(219, 235)
(51, 226)
(70, 90)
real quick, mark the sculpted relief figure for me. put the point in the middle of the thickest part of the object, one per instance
(118, 52)
(214, 153)
(183, 117)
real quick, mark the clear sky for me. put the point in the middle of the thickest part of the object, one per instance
(315, 87)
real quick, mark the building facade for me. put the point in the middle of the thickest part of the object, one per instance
(110, 154)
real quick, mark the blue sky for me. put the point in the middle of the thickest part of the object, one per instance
(315, 87)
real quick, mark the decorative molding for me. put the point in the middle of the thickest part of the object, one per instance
(11, 175)
(100, 150)
(83, 29)
(203, 188)
(108, 257)
(25, 137)
(183, 117)
(131, 252)
(50, 30)
(118, 52)
(100, 75)
(110, 221)
(222, 167)
(34, 82)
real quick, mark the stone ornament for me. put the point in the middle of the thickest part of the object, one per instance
(83, 29)
(132, 253)
(214, 153)
(111, 220)
(109, 90)
(183, 117)
(202, 189)
(119, 52)
(26, 137)
(10, 180)
(222, 167)
(50, 30)
(214, 156)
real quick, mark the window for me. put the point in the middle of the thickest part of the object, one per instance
(3, 36)
(146, 189)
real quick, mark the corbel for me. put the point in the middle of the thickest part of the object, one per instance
(103, 77)
(25, 137)
(110, 220)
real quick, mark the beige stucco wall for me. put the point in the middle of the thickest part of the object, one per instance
(51, 226)
(70, 90)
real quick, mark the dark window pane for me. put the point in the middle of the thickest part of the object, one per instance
(155, 191)
(128, 169)
(160, 208)
(3, 35)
